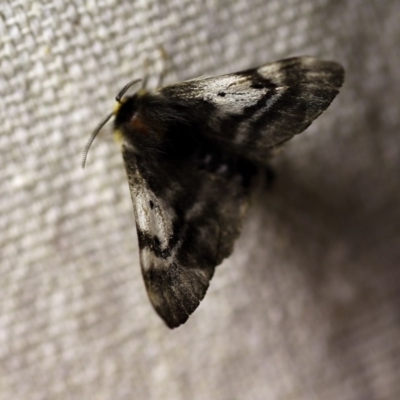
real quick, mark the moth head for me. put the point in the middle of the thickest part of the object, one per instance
(126, 114)
(118, 112)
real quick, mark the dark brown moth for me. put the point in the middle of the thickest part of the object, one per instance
(190, 151)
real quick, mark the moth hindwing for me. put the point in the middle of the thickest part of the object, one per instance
(190, 151)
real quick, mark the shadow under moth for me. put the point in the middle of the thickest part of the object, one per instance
(190, 151)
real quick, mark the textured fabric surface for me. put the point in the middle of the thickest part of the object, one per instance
(306, 308)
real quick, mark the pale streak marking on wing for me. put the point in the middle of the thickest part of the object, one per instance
(156, 221)
(148, 258)
(238, 95)
(272, 72)
(244, 127)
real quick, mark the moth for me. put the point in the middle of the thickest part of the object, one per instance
(190, 151)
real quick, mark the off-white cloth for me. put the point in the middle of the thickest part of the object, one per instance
(307, 307)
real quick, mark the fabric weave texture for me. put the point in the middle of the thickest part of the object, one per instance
(307, 306)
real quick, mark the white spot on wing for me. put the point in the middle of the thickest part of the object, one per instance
(148, 258)
(157, 221)
(229, 93)
(271, 71)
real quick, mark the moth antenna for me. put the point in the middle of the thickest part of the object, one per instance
(161, 78)
(125, 89)
(166, 63)
(102, 123)
(92, 137)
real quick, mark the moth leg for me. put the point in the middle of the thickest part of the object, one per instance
(161, 77)
(166, 65)
(144, 81)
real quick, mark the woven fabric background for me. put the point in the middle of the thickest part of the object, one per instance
(306, 308)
